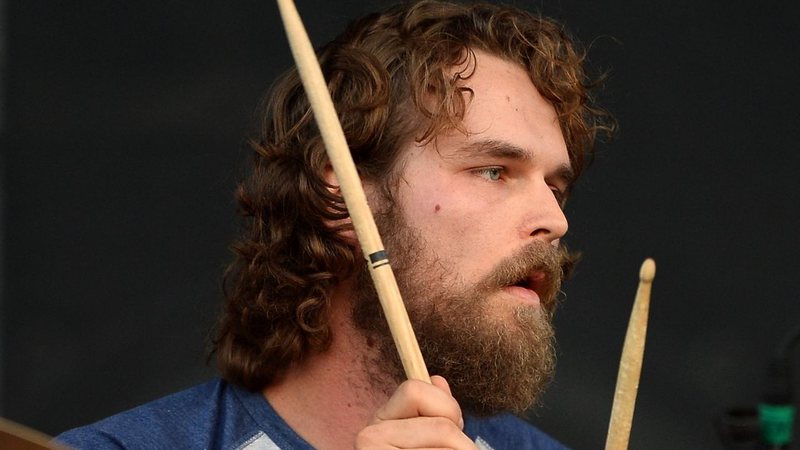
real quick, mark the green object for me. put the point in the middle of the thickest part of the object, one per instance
(776, 423)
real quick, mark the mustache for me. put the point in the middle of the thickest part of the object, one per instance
(549, 265)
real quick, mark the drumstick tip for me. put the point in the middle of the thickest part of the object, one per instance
(648, 270)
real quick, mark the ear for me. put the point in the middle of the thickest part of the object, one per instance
(348, 233)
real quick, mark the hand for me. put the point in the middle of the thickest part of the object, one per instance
(418, 415)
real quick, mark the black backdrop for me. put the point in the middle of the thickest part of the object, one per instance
(125, 135)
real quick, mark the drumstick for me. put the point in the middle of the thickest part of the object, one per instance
(20, 437)
(353, 193)
(630, 365)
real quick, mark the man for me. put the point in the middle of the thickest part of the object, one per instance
(469, 125)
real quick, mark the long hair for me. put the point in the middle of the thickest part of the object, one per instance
(390, 76)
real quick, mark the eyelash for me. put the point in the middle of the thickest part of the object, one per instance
(484, 172)
(561, 197)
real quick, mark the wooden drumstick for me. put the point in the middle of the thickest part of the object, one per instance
(353, 193)
(19, 437)
(630, 365)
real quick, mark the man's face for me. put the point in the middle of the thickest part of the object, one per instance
(473, 239)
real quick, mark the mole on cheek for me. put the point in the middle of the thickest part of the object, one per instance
(436, 208)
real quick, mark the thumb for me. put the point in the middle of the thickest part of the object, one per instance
(441, 383)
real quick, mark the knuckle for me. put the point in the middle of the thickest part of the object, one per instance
(444, 427)
(450, 409)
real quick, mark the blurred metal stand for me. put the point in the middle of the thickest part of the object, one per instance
(3, 58)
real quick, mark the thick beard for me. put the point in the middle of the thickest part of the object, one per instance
(495, 357)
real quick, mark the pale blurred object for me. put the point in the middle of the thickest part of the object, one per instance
(630, 365)
(14, 436)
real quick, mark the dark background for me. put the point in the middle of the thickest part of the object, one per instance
(124, 136)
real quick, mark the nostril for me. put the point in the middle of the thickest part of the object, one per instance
(541, 232)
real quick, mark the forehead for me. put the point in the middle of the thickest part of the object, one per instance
(504, 106)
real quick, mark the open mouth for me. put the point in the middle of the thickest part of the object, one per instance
(524, 284)
(534, 282)
(531, 288)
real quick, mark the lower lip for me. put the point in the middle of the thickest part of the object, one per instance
(526, 295)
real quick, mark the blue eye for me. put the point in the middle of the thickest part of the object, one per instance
(491, 173)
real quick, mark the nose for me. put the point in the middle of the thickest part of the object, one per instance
(546, 220)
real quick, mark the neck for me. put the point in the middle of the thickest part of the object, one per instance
(332, 395)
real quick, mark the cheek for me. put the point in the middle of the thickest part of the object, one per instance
(454, 226)
(451, 232)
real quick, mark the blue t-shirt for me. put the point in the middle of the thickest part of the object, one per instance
(219, 415)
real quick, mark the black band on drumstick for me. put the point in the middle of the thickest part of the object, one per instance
(378, 259)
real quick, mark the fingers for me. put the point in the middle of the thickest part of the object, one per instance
(418, 415)
(416, 398)
(441, 383)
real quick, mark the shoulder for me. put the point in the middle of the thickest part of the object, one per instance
(187, 419)
(506, 431)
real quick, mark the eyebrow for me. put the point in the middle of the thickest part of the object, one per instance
(502, 149)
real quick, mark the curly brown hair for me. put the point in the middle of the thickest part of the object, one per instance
(390, 76)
